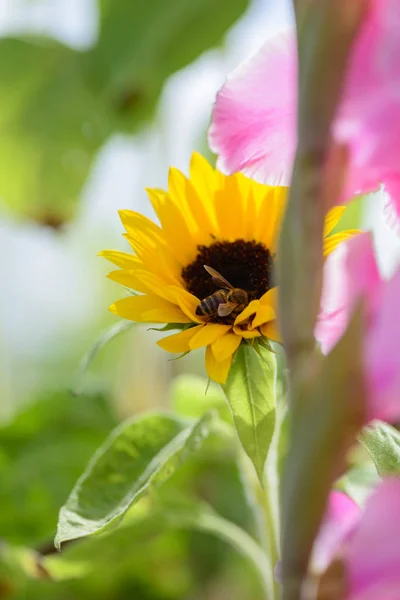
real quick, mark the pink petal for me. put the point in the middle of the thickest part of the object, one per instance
(253, 128)
(341, 517)
(335, 309)
(382, 356)
(350, 272)
(390, 591)
(373, 551)
(373, 148)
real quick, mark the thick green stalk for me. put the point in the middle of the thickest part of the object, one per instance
(320, 390)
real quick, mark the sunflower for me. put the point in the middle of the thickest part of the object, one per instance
(215, 233)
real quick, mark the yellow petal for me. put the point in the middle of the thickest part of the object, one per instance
(270, 216)
(175, 228)
(156, 285)
(230, 209)
(202, 175)
(250, 310)
(225, 346)
(250, 217)
(280, 197)
(270, 298)
(263, 315)
(133, 220)
(203, 214)
(148, 309)
(271, 331)
(208, 334)
(246, 333)
(217, 371)
(332, 218)
(245, 186)
(154, 255)
(179, 342)
(187, 303)
(201, 222)
(331, 242)
(177, 194)
(265, 224)
(129, 280)
(219, 180)
(121, 259)
(259, 191)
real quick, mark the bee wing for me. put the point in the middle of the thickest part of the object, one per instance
(226, 308)
(218, 279)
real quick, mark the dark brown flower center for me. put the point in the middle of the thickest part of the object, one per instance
(246, 265)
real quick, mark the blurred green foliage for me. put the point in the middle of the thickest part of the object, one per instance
(42, 453)
(160, 551)
(58, 106)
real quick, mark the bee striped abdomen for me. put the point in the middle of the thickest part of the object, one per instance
(209, 306)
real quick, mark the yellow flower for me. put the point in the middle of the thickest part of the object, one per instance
(228, 223)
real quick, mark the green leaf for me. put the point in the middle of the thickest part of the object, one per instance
(59, 106)
(383, 444)
(141, 44)
(51, 125)
(359, 482)
(139, 454)
(251, 393)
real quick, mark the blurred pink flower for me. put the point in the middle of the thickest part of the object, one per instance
(254, 122)
(372, 553)
(350, 274)
(341, 515)
(367, 542)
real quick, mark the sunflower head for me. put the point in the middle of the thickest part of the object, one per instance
(208, 266)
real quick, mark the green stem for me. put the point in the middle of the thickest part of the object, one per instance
(246, 545)
(272, 484)
(271, 511)
(271, 499)
(264, 508)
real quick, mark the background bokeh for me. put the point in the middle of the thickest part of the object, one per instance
(97, 100)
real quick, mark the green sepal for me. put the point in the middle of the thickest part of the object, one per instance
(180, 356)
(265, 343)
(170, 326)
(109, 334)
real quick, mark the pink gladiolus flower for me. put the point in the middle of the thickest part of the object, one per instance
(340, 517)
(367, 543)
(254, 121)
(350, 274)
(373, 551)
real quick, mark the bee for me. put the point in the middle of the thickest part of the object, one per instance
(224, 301)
